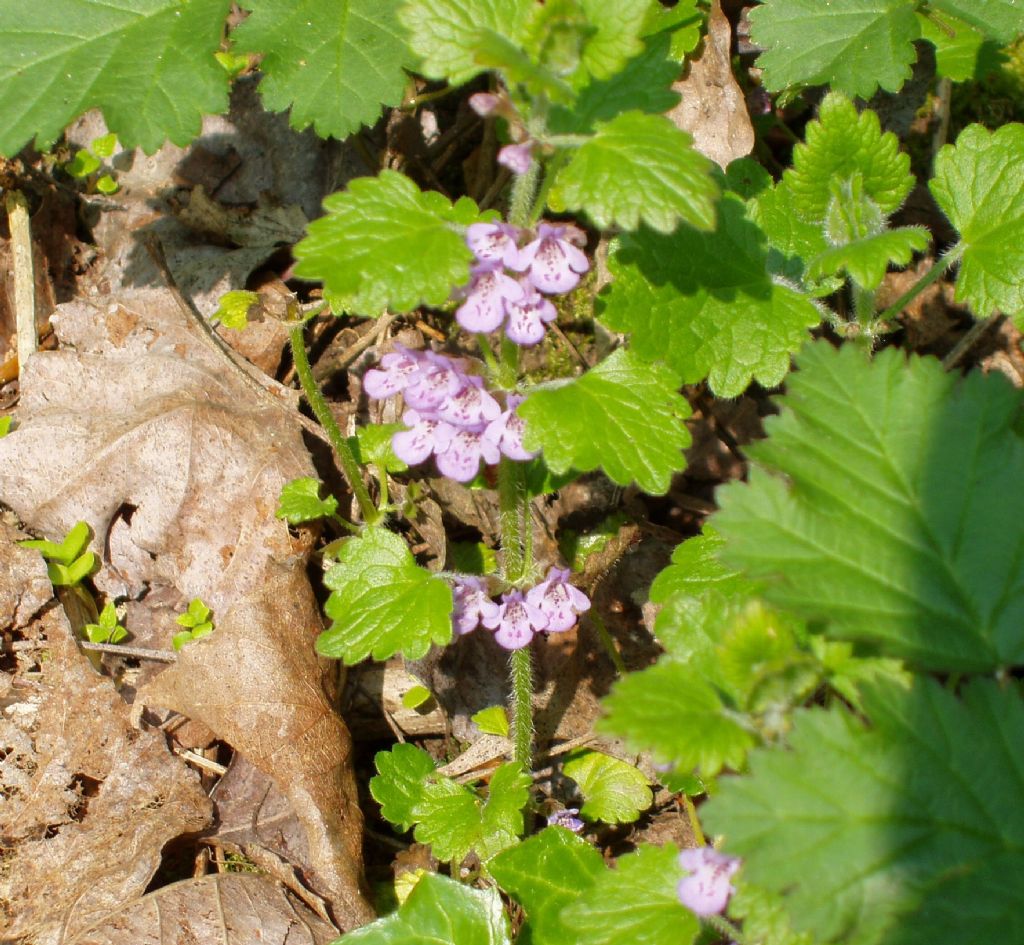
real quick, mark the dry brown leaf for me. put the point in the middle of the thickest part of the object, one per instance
(89, 802)
(226, 909)
(713, 109)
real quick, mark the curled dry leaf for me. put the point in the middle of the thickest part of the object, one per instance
(224, 909)
(89, 802)
(151, 437)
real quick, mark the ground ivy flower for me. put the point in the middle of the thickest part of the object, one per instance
(484, 308)
(566, 818)
(470, 405)
(396, 371)
(554, 260)
(438, 379)
(516, 621)
(484, 103)
(494, 242)
(559, 601)
(506, 432)
(460, 458)
(426, 435)
(528, 316)
(472, 604)
(516, 157)
(707, 889)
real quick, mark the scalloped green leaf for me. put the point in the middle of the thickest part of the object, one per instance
(623, 416)
(638, 167)
(148, 65)
(386, 244)
(635, 902)
(696, 568)
(398, 786)
(853, 46)
(300, 501)
(439, 911)
(382, 602)
(613, 791)
(546, 873)
(884, 504)
(1002, 20)
(840, 144)
(617, 25)
(906, 831)
(868, 258)
(331, 64)
(706, 303)
(979, 185)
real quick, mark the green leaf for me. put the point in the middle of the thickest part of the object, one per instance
(867, 259)
(897, 523)
(416, 696)
(546, 873)
(908, 831)
(696, 568)
(636, 902)
(638, 167)
(107, 185)
(445, 33)
(839, 145)
(197, 615)
(623, 416)
(233, 308)
(518, 68)
(439, 911)
(109, 629)
(82, 164)
(683, 21)
(373, 445)
(454, 820)
(382, 602)
(5, 425)
(331, 63)
(618, 25)
(300, 502)
(1002, 20)
(384, 243)
(613, 791)
(181, 638)
(74, 543)
(492, 721)
(706, 303)
(673, 711)
(104, 146)
(979, 185)
(853, 46)
(398, 786)
(961, 56)
(148, 64)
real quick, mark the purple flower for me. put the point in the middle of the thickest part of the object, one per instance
(507, 432)
(528, 316)
(460, 458)
(484, 103)
(566, 818)
(516, 621)
(516, 157)
(555, 262)
(470, 405)
(472, 604)
(558, 600)
(425, 436)
(707, 889)
(494, 242)
(436, 381)
(484, 308)
(397, 369)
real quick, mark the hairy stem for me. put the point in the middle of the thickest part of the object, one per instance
(520, 667)
(523, 191)
(932, 275)
(349, 467)
(724, 928)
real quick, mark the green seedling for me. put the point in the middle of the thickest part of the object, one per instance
(5, 426)
(68, 563)
(89, 161)
(196, 621)
(109, 629)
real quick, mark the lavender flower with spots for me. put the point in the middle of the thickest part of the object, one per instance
(555, 262)
(516, 622)
(472, 604)
(516, 157)
(707, 889)
(484, 309)
(528, 316)
(567, 818)
(559, 602)
(506, 432)
(494, 242)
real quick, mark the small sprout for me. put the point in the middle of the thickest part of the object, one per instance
(83, 164)
(300, 502)
(234, 307)
(89, 160)
(104, 146)
(109, 629)
(5, 425)
(68, 563)
(416, 696)
(492, 721)
(197, 622)
(234, 64)
(107, 185)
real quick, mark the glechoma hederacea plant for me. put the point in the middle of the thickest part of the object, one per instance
(840, 643)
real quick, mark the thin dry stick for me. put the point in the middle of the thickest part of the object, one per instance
(136, 652)
(968, 341)
(24, 276)
(368, 340)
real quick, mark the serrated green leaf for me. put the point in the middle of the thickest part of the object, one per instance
(683, 21)
(439, 911)
(382, 602)
(546, 873)
(674, 712)
(1003, 20)
(907, 831)
(454, 820)
(398, 786)
(613, 791)
(445, 33)
(492, 721)
(638, 167)
(898, 521)
(636, 902)
(148, 64)
(300, 502)
(840, 144)
(960, 49)
(853, 46)
(979, 185)
(618, 26)
(518, 68)
(384, 243)
(764, 916)
(331, 63)
(623, 416)
(373, 445)
(233, 308)
(706, 303)
(696, 568)
(868, 259)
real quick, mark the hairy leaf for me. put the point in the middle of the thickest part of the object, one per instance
(398, 786)
(623, 416)
(148, 64)
(613, 791)
(331, 63)
(867, 259)
(696, 568)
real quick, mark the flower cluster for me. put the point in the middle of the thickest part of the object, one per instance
(552, 606)
(707, 889)
(449, 414)
(549, 264)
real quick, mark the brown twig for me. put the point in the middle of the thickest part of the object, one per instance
(24, 275)
(136, 652)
